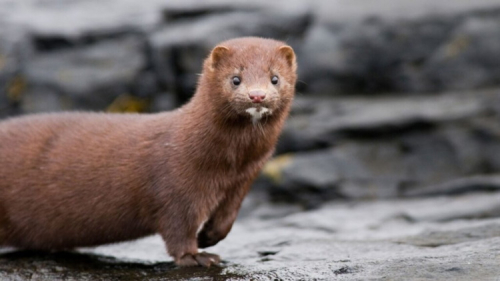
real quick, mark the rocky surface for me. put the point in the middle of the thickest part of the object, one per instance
(429, 53)
(101, 69)
(436, 238)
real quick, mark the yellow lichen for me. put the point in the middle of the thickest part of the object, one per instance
(128, 103)
(2, 61)
(16, 88)
(65, 76)
(457, 46)
(273, 169)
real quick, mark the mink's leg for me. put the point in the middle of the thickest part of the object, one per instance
(179, 233)
(222, 219)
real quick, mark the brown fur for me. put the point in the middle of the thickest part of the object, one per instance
(82, 179)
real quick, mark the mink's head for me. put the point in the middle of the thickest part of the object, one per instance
(251, 77)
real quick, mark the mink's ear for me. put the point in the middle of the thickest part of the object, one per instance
(289, 55)
(218, 53)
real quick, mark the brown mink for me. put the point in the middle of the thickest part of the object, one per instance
(82, 179)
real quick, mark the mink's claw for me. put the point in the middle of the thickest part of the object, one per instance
(200, 259)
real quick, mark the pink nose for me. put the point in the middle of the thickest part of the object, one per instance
(257, 96)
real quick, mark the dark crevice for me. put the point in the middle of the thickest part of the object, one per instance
(52, 43)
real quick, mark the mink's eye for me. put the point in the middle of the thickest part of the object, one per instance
(275, 80)
(236, 80)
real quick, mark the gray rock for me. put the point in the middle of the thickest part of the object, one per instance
(389, 51)
(43, 99)
(393, 47)
(77, 19)
(92, 76)
(145, 85)
(390, 147)
(371, 56)
(312, 177)
(31, 265)
(459, 186)
(321, 122)
(467, 59)
(365, 169)
(488, 135)
(440, 238)
(326, 119)
(163, 102)
(461, 207)
(14, 49)
(358, 10)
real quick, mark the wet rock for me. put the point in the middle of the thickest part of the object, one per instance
(75, 266)
(341, 240)
(459, 186)
(389, 51)
(404, 47)
(91, 76)
(185, 10)
(463, 207)
(488, 135)
(357, 169)
(320, 120)
(440, 238)
(371, 56)
(466, 60)
(345, 240)
(146, 85)
(44, 99)
(14, 49)
(383, 147)
(163, 102)
(73, 21)
(355, 236)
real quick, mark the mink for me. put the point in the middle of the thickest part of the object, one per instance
(77, 179)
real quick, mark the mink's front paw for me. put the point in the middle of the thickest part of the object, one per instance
(209, 237)
(206, 240)
(200, 259)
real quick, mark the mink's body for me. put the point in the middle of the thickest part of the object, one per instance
(81, 179)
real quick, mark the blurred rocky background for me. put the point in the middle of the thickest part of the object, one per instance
(389, 166)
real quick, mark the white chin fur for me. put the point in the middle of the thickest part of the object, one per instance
(257, 113)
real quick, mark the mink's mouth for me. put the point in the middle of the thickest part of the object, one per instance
(258, 112)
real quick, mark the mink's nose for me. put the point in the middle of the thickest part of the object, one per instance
(257, 96)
